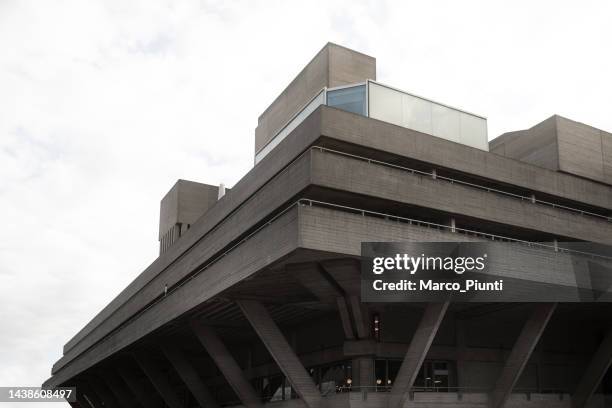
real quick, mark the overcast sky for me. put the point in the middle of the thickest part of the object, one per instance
(103, 105)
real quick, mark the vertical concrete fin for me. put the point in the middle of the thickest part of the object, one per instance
(279, 348)
(521, 352)
(599, 364)
(189, 376)
(227, 365)
(417, 350)
(159, 381)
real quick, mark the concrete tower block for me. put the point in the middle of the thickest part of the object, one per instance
(333, 66)
(563, 145)
(181, 207)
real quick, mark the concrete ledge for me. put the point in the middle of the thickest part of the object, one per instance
(360, 177)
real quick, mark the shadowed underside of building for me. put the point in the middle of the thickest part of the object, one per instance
(255, 297)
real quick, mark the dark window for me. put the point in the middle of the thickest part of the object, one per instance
(351, 99)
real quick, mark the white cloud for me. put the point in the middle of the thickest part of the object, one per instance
(103, 105)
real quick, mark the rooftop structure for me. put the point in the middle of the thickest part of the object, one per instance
(257, 301)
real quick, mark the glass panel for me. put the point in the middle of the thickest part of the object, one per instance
(351, 99)
(416, 113)
(412, 112)
(446, 122)
(303, 114)
(385, 104)
(474, 131)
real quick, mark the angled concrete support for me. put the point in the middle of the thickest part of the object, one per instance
(122, 394)
(189, 376)
(417, 350)
(519, 356)
(599, 364)
(89, 395)
(360, 317)
(104, 394)
(345, 318)
(227, 365)
(159, 381)
(281, 352)
(144, 393)
(83, 401)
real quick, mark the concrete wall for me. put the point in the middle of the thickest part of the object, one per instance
(537, 145)
(561, 144)
(582, 152)
(332, 66)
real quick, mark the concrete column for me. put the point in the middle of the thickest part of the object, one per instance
(461, 342)
(363, 372)
(281, 352)
(144, 393)
(417, 350)
(599, 364)
(189, 376)
(521, 352)
(227, 365)
(159, 381)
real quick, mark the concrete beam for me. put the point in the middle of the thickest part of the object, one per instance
(159, 381)
(417, 350)
(189, 376)
(599, 364)
(521, 352)
(144, 393)
(281, 352)
(227, 365)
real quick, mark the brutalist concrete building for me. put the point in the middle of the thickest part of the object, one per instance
(255, 299)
